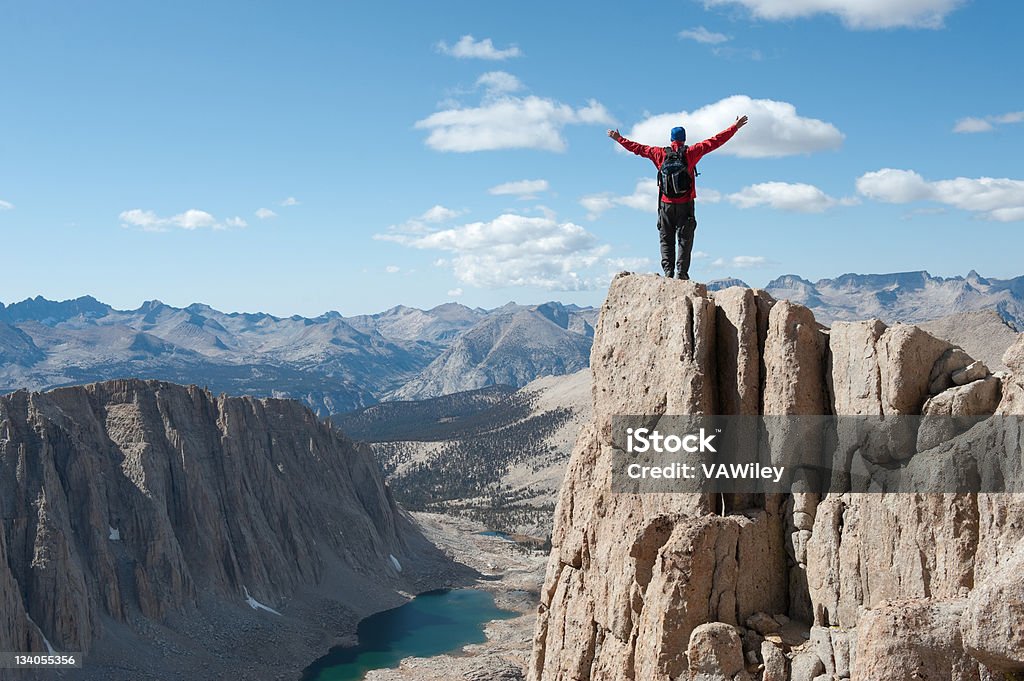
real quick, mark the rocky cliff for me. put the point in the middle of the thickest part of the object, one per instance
(694, 587)
(167, 533)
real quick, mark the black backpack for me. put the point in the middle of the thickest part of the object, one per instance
(674, 179)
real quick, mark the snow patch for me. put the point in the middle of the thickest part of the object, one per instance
(49, 648)
(394, 561)
(115, 535)
(256, 605)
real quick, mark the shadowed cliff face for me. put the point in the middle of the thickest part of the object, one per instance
(694, 587)
(129, 504)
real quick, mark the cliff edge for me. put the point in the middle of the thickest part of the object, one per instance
(168, 533)
(802, 587)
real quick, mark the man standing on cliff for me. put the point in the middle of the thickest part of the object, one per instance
(676, 189)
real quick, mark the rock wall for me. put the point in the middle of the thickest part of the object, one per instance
(689, 587)
(133, 512)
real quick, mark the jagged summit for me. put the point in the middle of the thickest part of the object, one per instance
(780, 587)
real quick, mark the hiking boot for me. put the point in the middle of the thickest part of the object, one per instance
(668, 274)
(683, 276)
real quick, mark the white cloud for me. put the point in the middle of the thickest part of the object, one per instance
(455, 293)
(192, 219)
(988, 123)
(290, 201)
(265, 213)
(513, 250)
(775, 129)
(439, 213)
(998, 199)
(499, 81)
(793, 197)
(6, 205)
(973, 125)
(507, 122)
(644, 197)
(469, 48)
(741, 262)
(524, 189)
(1012, 117)
(708, 196)
(426, 221)
(704, 36)
(392, 269)
(860, 14)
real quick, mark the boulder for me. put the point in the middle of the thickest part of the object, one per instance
(941, 376)
(975, 371)
(716, 654)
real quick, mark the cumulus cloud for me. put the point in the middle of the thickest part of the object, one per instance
(644, 198)
(508, 122)
(524, 189)
(793, 197)
(998, 199)
(499, 81)
(426, 221)
(290, 201)
(455, 292)
(775, 128)
(513, 250)
(988, 123)
(741, 262)
(468, 47)
(6, 205)
(703, 35)
(970, 124)
(858, 14)
(439, 213)
(265, 213)
(191, 220)
(392, 269)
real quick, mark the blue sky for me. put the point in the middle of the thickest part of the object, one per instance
(301, 157)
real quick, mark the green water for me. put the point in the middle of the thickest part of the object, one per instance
(431, 624)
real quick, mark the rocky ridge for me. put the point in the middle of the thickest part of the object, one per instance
(166, 532)
(672, 587)
(331, 363)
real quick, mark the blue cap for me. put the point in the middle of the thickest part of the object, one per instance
(679, 134)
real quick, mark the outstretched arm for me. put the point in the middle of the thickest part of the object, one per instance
(712, 143)
(635, 147)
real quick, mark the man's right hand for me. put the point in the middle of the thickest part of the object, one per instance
(614, 134)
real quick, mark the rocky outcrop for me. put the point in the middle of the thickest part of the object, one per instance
(681, 587)
(148, 521)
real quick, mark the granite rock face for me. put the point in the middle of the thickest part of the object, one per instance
(127, 505)
(681, 587)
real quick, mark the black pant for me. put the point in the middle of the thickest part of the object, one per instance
(676, 222)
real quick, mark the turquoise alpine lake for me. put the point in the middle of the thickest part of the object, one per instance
(433, 623)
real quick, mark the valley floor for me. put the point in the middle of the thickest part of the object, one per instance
(515, 578)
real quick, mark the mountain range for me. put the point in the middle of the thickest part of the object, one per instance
(902, 296)
(335, 364)
(331, 363)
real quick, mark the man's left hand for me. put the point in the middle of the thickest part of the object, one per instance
(740, 121)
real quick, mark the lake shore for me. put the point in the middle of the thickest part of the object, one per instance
(513, 575)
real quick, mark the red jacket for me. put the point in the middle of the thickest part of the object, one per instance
(693, 155)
